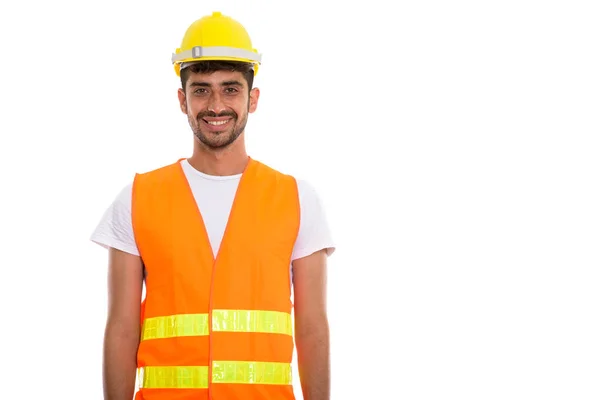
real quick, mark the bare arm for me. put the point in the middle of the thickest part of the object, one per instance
(312, 326)
(122, 333)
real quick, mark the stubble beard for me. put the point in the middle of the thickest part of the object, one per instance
(222, 139)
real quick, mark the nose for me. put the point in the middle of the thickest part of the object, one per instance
(215, 103)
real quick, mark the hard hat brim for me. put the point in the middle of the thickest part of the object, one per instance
(197, 54)
(216, 53)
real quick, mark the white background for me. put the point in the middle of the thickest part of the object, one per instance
(454, 144)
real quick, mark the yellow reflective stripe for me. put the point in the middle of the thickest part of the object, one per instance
(268, 373)
(252, 321)
(175, 326)
(173, 377)
(223, 321)
(231, 372)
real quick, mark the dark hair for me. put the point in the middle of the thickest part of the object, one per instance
(247, 69)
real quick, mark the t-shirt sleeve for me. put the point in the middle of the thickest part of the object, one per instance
(115, 228)
(314, 233)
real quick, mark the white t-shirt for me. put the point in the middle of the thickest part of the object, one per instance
(214, 196)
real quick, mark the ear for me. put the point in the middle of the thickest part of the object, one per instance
(253, 103)
(182, 102)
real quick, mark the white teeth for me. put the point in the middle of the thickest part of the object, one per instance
(218, 122)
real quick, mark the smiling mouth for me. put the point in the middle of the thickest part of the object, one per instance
(217, 123)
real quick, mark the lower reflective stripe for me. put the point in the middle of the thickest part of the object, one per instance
(252, 321)
(252, 372)
(175, 326)
(231, 372)
(173, 377)
(222, 321)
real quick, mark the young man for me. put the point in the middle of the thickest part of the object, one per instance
(221, 242)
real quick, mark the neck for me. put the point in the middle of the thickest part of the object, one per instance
(222, 162)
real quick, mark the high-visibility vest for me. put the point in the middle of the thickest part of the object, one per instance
(221, 328)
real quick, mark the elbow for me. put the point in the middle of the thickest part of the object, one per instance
(125, 333)
(315, 329)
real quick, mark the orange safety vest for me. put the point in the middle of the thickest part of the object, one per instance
(217, 329)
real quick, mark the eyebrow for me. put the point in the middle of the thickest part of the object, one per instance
(232, 83)
(206, 84)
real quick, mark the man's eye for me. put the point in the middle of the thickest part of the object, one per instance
(231, 90)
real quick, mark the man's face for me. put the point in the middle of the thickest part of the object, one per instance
(217, 106)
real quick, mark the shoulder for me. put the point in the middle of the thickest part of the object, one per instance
(315, 232)
(307, 193)
(156, 176)
(124, 196)
(267, 169)
(161, 169)
(306, 190)
(114, 229)
(275, 179)
(311, 203)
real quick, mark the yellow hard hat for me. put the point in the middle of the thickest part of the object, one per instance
(215, 37)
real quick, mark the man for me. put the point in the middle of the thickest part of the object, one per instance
(221, 242)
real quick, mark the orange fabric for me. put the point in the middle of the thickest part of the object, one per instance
(251, 272)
